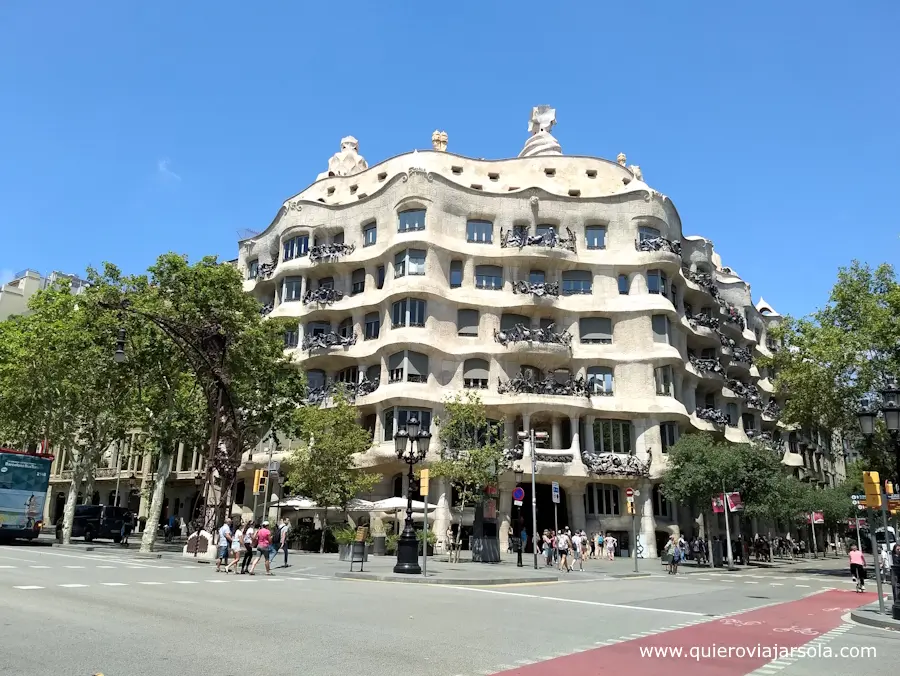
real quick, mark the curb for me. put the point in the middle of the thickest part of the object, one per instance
(458, 582)
(877, 620)
(625, 576)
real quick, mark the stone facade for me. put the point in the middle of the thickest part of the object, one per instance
(601, 323)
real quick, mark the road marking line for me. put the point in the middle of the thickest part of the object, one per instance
(776, 584)
(38, 566)
(164, 567)
(108, 567)
(7, 566)
(184, 581)
(27, 586)
(577, 601)
(73, 566)
(72, 586)
(749, 582)
(151, 582)
(114, 584)
(802, 585)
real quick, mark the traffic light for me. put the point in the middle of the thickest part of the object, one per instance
(259, 480)
(888, 487)
(630, 507)
(872, 485)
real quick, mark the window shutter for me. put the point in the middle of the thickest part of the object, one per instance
(467, 322)
(595, 328)
(476, 369)
(416, 364)
(395, 361)
(508, 321)
(660, 328)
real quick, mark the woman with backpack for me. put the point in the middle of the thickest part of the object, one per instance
(249, 541)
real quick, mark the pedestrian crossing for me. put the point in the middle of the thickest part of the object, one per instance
(157, 583)
(770, 580)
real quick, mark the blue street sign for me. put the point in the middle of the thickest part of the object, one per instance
(555, 487)
(518, 493)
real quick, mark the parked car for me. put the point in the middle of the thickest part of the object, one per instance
(94, 522)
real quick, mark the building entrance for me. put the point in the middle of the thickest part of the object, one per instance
(544, 511)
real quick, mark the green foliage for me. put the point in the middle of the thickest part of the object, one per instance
(841, 352)
(471, 448)
(324, 469)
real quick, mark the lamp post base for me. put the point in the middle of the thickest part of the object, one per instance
(408, 553)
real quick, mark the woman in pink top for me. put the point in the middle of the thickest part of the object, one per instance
(264, 546)
(858, 568)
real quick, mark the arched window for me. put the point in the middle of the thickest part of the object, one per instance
(411, 220)
(476, 373)
(646, 232)
(397, 486)
(345, 328)
(624, 285)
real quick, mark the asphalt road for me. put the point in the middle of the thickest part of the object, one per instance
(70, 612)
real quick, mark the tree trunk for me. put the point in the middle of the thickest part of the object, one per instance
(88, 489)
(322, 539)
(458, 547)
(69, 511)
(148, 539)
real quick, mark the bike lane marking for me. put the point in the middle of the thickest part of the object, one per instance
(786, 625)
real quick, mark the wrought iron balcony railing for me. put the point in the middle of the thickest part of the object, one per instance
(726, 342)
(523, 334)
(548, 385)
(330, 252)
(703, 319)
(742, 354)
(706, 365)
(316, 395)
(712, 415)
(732, 315)
(266, 309)
(749, 393)
(539, 289)
(702, 280)
(771, 410)
(520, 238)
(615, 464)
(323, 296)
(265, 270)
(325, 341)
(658, 244)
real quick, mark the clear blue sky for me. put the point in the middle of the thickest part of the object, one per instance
(132, 128)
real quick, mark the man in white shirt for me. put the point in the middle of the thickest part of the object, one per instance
(283, 531)
(577, 551)
(224, 545)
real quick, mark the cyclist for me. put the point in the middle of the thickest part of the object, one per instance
(858, 568)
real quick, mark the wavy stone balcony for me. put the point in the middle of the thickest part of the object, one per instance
(705, 366)
(515, 238)
(351, 391)
(702, 280)
(615, 464)
(771, 411)
(328, 253)
(733, 316)
(702, 319)
(712, 415)
(523, 334)
(749, 393)
(521, 384)
(658, 244)
(265, 270)
(327, 341)
(322, 296)
(539, 290)
(742, 355)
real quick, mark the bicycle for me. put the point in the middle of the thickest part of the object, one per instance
(796, 630)
(740, 623)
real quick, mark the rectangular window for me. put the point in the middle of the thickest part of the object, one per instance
(416, 312)
(595, 330)
(612, 436)
(373, 325)
(396, 363)
(295, 247)
(345, 328)
(400, 265)
(388, 424)
(416, 265)
(318, 328)
(646, 232)
(380, 283)
(467, 323)
(657, 282)
(338, 238)
(456, 272)
(291, 291)
(661, 329)
(731, 411)
(416, 367)
(668, 432)
(357, 281)
(665, 384)
(488, 277)
(291, 338)
(600, 381)
(253, 269)
(595, 236)
(412, 220)
(480, 232)
(545, 230)
(398, 314)
(577, 282)
(370, 234)
(537, 277)
(325, 283)
(423, 414)
(608, 500)
(749, 421)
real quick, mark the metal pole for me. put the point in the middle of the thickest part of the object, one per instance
(533, 500)
(266, 489)
(518, 536)
(634, 534)
(727, 529)
(870, 516)
(887, 536)
(118, 472)
(812, 529)
(425, 538)
(858, 536)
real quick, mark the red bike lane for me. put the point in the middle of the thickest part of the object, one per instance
(705, 647)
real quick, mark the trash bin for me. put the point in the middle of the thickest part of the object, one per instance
(379, 547)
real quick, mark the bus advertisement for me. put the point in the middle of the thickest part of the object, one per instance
(24, 481)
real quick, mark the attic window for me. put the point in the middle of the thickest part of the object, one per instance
(322, 200)
(330, 191)
(626, 181)
(475, 186)
(353, 189)
(574, 193)
(361, 195)
(494, 176)
(513, 187)
(591, 173)
(456, 170)
(550, 172)
(382, 175)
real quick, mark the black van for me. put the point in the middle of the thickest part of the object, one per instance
(96, 521)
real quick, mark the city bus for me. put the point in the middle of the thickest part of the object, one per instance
(24, 480)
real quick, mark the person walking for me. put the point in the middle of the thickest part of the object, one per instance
(562, 546)
(283, 531)
(578, 551)
(545, 548)
(225, 539)
(237, 547)
(248, 543)
(858, 568)
(610, 543)
(264, 548)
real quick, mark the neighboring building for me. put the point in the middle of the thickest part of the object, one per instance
(14, 294)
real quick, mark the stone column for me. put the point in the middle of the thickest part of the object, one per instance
(509, 431)
(504, 512)
(556, 433)
(589, 434)
(179, 457)
(442, 515)
(576, 435)
(526, 426)
(644, 508)
(575, 503)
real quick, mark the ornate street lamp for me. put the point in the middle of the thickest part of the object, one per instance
(411, 445)
(890, 409)
(120, 347)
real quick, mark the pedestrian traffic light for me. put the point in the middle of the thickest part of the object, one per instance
(888, 487)
(630, 507)
(259, 480)
(872, 485)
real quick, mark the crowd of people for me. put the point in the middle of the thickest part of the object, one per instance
(237, 543)
(567, 549)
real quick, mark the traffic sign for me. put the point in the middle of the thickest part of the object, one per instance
(518, 493)
(629, 492)
(555, 487)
